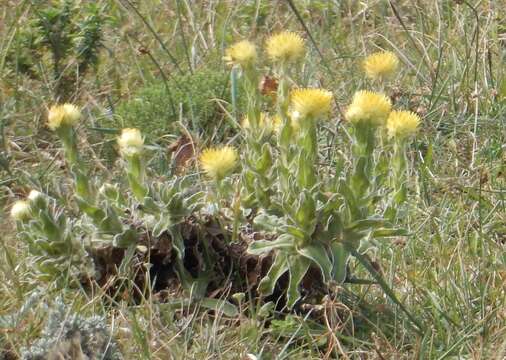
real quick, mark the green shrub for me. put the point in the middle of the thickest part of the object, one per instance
(155, 108)
(64, 37)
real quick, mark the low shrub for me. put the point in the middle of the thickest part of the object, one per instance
(192, 98)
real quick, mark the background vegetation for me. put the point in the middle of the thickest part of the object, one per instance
(157, 65)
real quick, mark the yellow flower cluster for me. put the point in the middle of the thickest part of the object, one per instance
(130, 142)
(370, 107)
(243, 53)
(376, 109)
(285, 47)
(218, 162)
(62, 115)
(402, 124)
(309, 103)
(381, 65)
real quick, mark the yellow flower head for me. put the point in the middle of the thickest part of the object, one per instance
(285, 47)
(66, 114)
(381, 65)
(130, 142)
(402, 124)
(243, 53)
(218, 162)
(370, 107)
(313, 103)
(21, 210)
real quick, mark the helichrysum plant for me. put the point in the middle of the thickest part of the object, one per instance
(58, 255)
(401, 126)
(307, 212)
(65, 248)
(62, 119)
(131, 144)
(316, 221)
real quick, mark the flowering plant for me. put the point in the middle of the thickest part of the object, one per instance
(309, 213)
(318, 217)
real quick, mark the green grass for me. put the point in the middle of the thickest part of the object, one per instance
(450, 272)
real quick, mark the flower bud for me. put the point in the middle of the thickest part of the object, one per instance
(130, 142)
(239, 297)
(37, 199)
(21, 210)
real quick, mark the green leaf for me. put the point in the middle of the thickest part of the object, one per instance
(318, 255)
(381, 233)
(278, 268)
(177, 240)
(267, 222)
(305, 172)
(194, 200)
(295, 232)
(137, 188)
(297, 266)
(359, 180)
(218, 305)
(125, 239)
(264, 162)
(306, 210)
(365, 224)
(350, 199)
(92, 211)
(162, 225)
(258, 247)
(340, 258)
